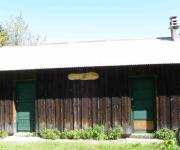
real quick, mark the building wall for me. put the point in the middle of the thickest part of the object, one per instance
(75, 104)
(62, 103)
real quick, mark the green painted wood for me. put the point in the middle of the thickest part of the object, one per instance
(25, 105)
(143, 104)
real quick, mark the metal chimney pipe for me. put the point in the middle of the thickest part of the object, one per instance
(174, 28)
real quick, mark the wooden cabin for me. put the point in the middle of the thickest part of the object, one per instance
(132, 83)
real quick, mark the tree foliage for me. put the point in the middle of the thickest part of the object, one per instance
(3, 37)
(18, 32)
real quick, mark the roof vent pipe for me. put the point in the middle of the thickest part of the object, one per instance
(174, 28)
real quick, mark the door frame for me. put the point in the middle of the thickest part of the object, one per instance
(154, 79)
(14, 102)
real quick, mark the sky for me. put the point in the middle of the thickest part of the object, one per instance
(89, 20)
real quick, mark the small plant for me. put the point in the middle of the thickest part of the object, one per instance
(98, 132)
(3, 134)
(64, 134)
(85, 133)
(164, 134)
(49, 133)
(178, 135)
(168, 145)
(113, 133)
(73, 134)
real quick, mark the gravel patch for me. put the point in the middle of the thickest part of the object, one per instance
(22, 139)
(142, 141)
(38, 139)
(126, 140)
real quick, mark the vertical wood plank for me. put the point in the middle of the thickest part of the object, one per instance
(7, 116)
(68, 113)
(43, 113)
(14, 116)
(157, 114)
(36, 115)
(94, 111)
(77, 113)
(90, 118)
(39, 112)
(11, 121)
(178, 115)
(174, 112)
(116, 112)
(126, 115)
(164, 112)
(50, 112)
(53, 108)
(84, 112)
(107, 112)
(57, 114)
(2, 115)
(100, 111)
(61, 103)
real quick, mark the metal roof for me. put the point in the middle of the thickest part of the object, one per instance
(88, 54)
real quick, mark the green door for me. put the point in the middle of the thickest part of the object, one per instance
(143, 105)
(25, 106)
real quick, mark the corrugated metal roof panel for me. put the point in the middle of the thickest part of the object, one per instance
(105, 53)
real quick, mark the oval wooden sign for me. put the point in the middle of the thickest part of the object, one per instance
(83, 76)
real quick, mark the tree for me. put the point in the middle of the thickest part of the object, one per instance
(18, 33)
(3, 37)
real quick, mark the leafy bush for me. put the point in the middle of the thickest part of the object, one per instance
(49, 133)
(178, 135)
(3, 134)
(85, 133)
(98, 132)
(92, 133)
(76, 134)
(73, 134)
(164, 134)
(64, 134)
(168, 145)
(113, 133)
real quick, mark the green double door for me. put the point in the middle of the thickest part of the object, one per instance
(25, 106)
(143, 105)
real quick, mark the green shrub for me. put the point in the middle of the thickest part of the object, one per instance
(113, 133)
(73, 134)
(177, 132)
(168, 145)
(3, 134)
(98, 132)
(92, 133)
(49, 133)
(64, 134)
(164, 134)
(85, 133)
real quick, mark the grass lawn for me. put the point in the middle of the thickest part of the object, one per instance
(75, 146)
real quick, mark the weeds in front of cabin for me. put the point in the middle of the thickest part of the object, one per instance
(49, 133)
(169, 137)
(97, 133)
(3, 134)
(165, 134)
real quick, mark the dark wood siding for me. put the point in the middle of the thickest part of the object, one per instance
(6, 103)
(62, 103)
(77, 104)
